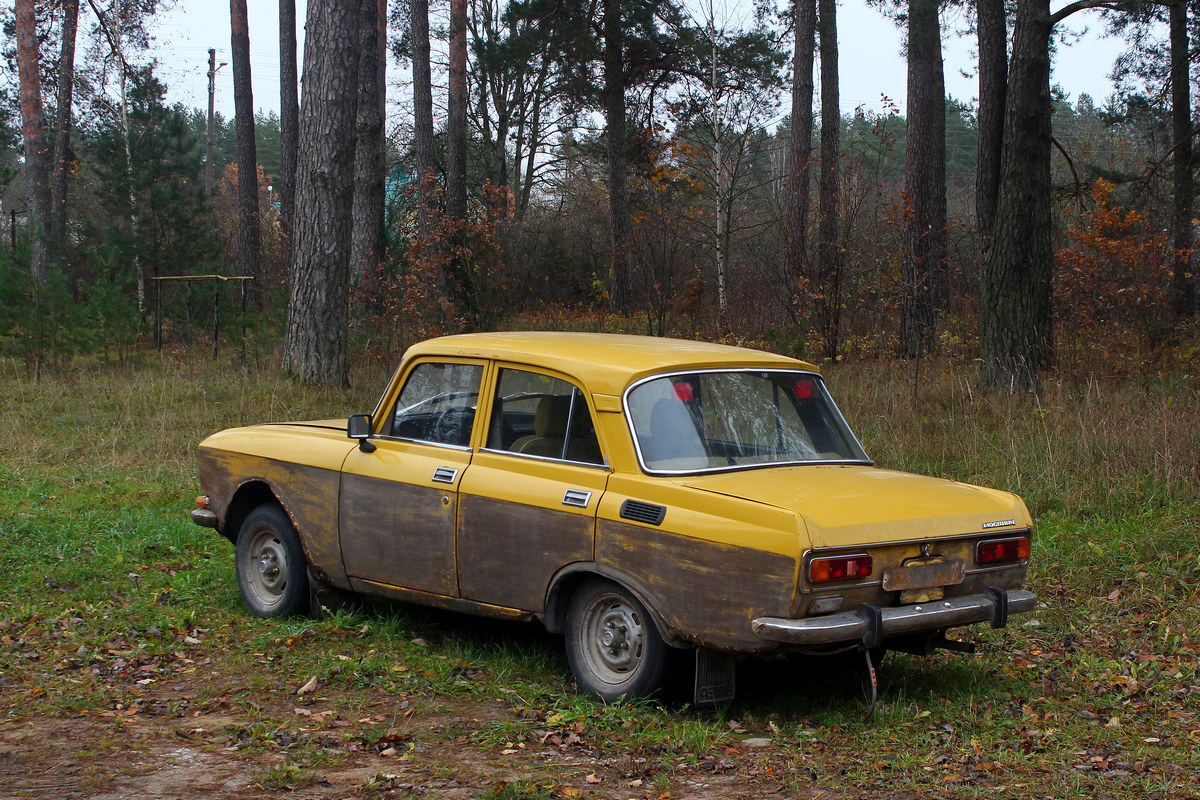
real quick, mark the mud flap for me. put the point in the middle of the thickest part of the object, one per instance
(716, 675)
(999, 599)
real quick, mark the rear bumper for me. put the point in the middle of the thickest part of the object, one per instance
(871, 625)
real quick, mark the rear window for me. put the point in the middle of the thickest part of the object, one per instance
(721, 420)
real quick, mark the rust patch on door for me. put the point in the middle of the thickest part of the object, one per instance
(508, 552)
(399, 534)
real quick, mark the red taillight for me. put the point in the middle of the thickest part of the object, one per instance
(838, 568)
(992, 550)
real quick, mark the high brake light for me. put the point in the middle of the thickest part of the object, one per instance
(993, 550)
(839, 568)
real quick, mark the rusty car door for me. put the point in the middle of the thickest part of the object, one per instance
(399, 502)
(528, 503)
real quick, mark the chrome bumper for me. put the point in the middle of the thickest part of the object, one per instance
(204, 517)
(871, 624)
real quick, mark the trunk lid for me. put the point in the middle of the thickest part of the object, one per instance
(845, 505)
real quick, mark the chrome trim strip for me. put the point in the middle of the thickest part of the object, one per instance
(547, 459)
(443, 445)
(921, 540)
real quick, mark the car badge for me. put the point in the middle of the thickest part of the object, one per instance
(1002, 523)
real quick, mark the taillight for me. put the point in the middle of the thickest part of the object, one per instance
(992, 550)
(839, 568)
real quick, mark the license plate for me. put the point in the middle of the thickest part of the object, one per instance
(924, 576)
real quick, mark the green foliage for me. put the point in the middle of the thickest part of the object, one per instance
(51, 323)
(266, 139)
(153, 192)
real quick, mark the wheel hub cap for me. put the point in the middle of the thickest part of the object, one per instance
(616, 637)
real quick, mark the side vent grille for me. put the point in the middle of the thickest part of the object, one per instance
(643, 512)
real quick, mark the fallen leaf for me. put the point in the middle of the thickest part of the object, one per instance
(311, 686)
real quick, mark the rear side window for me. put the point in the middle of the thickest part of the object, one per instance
(543, 416)
(438, 404)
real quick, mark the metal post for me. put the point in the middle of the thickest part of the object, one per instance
(216, 316)
(189, 316)
(212, 93)
(243, 285)
(158, 315)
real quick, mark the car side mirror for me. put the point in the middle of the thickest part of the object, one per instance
(358, 426)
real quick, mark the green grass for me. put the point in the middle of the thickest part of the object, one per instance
(110, 592)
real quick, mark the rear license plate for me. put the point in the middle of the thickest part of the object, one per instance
(924, 576)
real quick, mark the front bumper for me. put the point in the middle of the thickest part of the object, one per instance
(872, 624)
(204, 517)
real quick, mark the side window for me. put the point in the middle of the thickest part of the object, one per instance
(438, 403)
(538, 415)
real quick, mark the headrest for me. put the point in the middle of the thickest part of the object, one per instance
(551, 417)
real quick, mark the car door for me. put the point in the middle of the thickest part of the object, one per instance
(399, 503)
(528, 503)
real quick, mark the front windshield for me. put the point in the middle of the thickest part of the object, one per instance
(698, 421)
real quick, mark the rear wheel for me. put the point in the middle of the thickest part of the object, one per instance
(272, 574)
(613, 644)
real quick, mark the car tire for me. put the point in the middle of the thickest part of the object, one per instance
(272, 573)
(613, 644)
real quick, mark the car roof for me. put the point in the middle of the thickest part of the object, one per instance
(606, 362)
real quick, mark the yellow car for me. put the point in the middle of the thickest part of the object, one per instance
(649, 498)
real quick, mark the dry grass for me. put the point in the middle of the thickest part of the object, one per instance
(1098, 694)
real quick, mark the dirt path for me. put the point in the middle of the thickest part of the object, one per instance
(424, 748)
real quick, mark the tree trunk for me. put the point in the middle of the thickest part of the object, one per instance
(33, 135)
(365, 251)
(315, 346)
(1184, 282)
(1016, 334)
(289, 117)
(795, 222)
(456, 114)
(829, 260)
(993, 91)
(422, 116)
(620, 290)
(924, 182)
(60, 170)
(249, 232)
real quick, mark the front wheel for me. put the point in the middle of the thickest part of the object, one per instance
(613, 644)
(271, 571)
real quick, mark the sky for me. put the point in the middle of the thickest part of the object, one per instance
(871, 66)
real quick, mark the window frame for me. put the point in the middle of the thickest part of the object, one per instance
(387, 406)
(495, 404)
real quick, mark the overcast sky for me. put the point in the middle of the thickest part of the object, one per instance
(870, 62)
